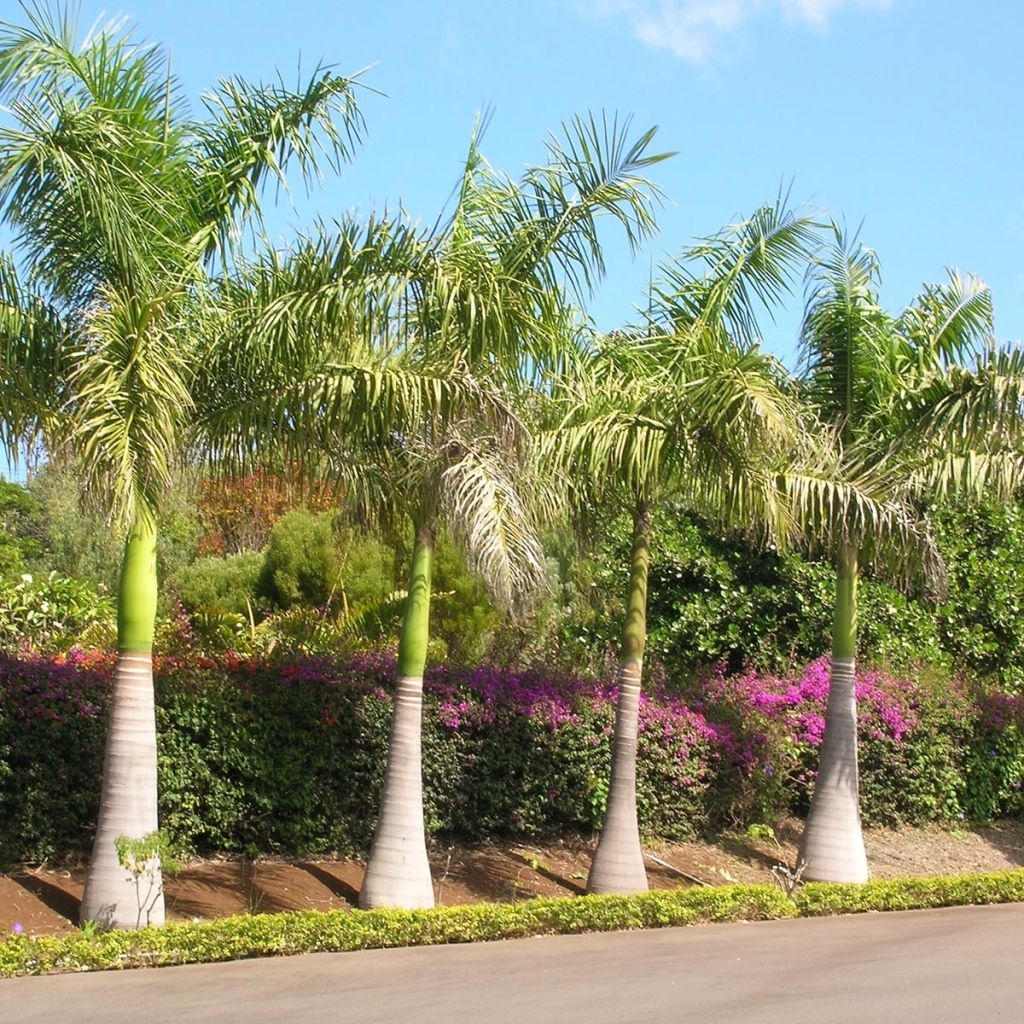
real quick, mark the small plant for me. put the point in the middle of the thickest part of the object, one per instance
(145, 859)
(786, 878)
(597, 799)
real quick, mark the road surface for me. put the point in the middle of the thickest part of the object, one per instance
(961, 966)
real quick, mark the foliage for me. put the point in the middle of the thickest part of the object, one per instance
(57, 528)
(41, 613)
(17, 547)
(982, 622)
(914, 738)
(715, 598)
(53, 717)
(285, 755)
(223, 584)
(146, 859)
(303, 563)
(287, 934)
(463, 617)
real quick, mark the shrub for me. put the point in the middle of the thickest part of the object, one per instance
(302, 563)
(286, 934)
(51, 752)
(41, 612)
(221, 584)
(913, 740)
(286, 755)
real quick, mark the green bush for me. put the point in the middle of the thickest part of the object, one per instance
(17, 511)
(302, 564)
(715, 599)
(220, 584)
(287, 934)
(982, 622)
(287, 756)
(43, 613)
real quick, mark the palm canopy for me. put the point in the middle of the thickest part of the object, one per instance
(688, 401)
(118, 202)
(869, 373)
(367, 333)
(912, 406)
(505, 268)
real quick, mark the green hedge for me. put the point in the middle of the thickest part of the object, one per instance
(287, 756)
(284, 934)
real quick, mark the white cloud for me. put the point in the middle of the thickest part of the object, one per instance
(692, 29)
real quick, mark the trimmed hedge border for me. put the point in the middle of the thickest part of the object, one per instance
(286, 934)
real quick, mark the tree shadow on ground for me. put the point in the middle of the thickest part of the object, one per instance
(1007, 839)
(764, 852)
(58, 899)
(338, 886)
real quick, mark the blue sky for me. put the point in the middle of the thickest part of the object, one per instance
(902, 113)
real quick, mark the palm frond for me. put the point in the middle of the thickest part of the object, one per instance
(32, 361)
(948, 322)
(723, 279)
(131, 399)
(254, 132)
(845, 334)
(486, 509)
(831, 506)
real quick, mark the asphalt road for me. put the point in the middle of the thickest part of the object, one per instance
(964, 965)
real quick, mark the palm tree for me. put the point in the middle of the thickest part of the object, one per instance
(397, 360)
(494, 297)
(689, 406)
(31, 332)
(119, 204)
(914, 407)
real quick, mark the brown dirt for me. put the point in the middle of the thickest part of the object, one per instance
(45, 901)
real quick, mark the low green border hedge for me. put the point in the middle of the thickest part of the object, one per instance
(236, 938)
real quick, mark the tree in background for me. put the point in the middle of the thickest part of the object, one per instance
(119, 202)
(239, 512)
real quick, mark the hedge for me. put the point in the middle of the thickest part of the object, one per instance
(336, 931)
(287, 757)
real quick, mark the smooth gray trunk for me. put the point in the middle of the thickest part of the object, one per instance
(128, 804)
(833, 844)
(397, 872)
(618, 865)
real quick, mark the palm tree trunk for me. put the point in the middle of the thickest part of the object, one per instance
(618, 865)
(833, 845)
(128, 801)
(397, 872)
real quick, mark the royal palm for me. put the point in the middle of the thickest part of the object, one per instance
(119, 202)
(913, 407)
(685, 406)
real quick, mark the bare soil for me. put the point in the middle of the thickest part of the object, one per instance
(45, 901)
